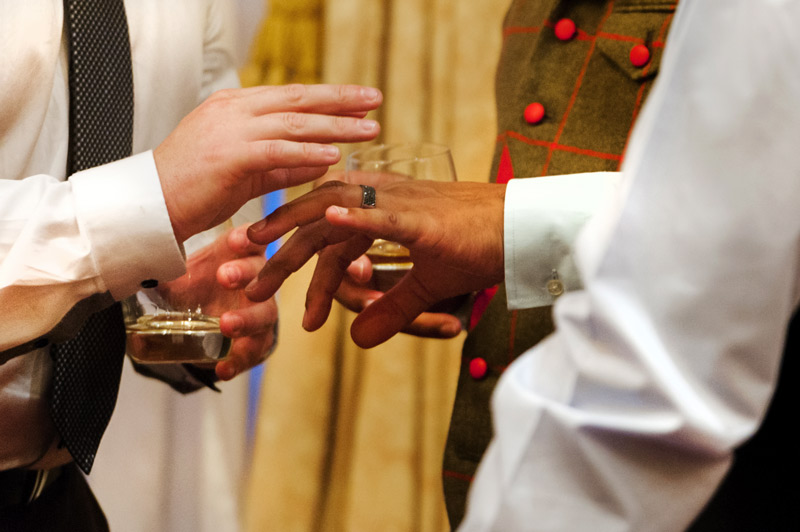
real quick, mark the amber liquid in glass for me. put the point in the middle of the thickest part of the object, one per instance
(174, 337)
(390, 263)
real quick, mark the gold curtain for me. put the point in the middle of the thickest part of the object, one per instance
(351, 439)
(288, 45)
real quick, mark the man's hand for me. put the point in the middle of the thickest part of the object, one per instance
(242, 143)
(454, 232)
(355, 294)
(221, 270)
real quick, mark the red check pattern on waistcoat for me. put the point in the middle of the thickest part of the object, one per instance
(505, 166)
(592, 93)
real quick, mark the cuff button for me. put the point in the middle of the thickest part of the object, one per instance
(555, 287)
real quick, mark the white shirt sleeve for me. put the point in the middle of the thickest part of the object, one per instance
(542, 219)
(106, 229)
(61, 242)
(626, 418)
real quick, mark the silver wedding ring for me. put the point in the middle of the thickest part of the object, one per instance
(367, 197)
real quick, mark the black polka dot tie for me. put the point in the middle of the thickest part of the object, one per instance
(87, 368)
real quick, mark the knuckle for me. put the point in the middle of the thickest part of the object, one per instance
(341, 262)
(294, 122)
(280, 177)
(281, 268)
(308, 151)
(332, 191)
(295, 92)
(225, 94)
(342, 123)
(221, 100)
(320, 240)
(343, 94)
(327, 290)
(336, 185)
(400, 310)
(281, 211)
(266, 316)
(420, 292)
(274, 150)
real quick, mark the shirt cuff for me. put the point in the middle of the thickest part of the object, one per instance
(543, 216)
(121, 209)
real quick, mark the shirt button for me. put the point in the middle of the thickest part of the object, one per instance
(565, 29)
(640, 55)
(478, 368)
(534, 113)
(555, 287)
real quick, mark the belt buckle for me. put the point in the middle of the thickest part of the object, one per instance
(23, 486)
(39, 483)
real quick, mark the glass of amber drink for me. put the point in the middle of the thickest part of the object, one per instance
(178, 321)
(422, 160)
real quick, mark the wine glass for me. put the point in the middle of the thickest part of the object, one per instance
(420, 160)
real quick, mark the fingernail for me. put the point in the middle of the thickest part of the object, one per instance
(329, 151)
(232, 274)
(451, 329)
(305, 320)
(341, 211)
(258, 226)
(251, 286)
(369, 125)
(368, 302)
(370, 93)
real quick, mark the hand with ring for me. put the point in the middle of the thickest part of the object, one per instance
(453, 230)
(358, 288)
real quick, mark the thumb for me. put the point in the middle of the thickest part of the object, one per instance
(391, 313)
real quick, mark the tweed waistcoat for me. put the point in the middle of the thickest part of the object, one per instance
(591, 93)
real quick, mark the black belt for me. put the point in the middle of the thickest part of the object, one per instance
(23, 486)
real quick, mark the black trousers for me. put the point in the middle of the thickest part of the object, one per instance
(67, 505)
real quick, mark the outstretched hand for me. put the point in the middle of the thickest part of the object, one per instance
(359, 288)
(453, 230)
(243, 143)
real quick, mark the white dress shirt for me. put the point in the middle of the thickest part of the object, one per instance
(107, 228)
(627, 416)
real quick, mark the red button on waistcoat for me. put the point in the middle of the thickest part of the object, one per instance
(534, 113)
(478, 368)
(565, 29)
(640, 55)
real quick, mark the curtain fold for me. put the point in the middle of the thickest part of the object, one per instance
(288, 45)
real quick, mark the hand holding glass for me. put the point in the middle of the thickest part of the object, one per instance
(178, 321)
